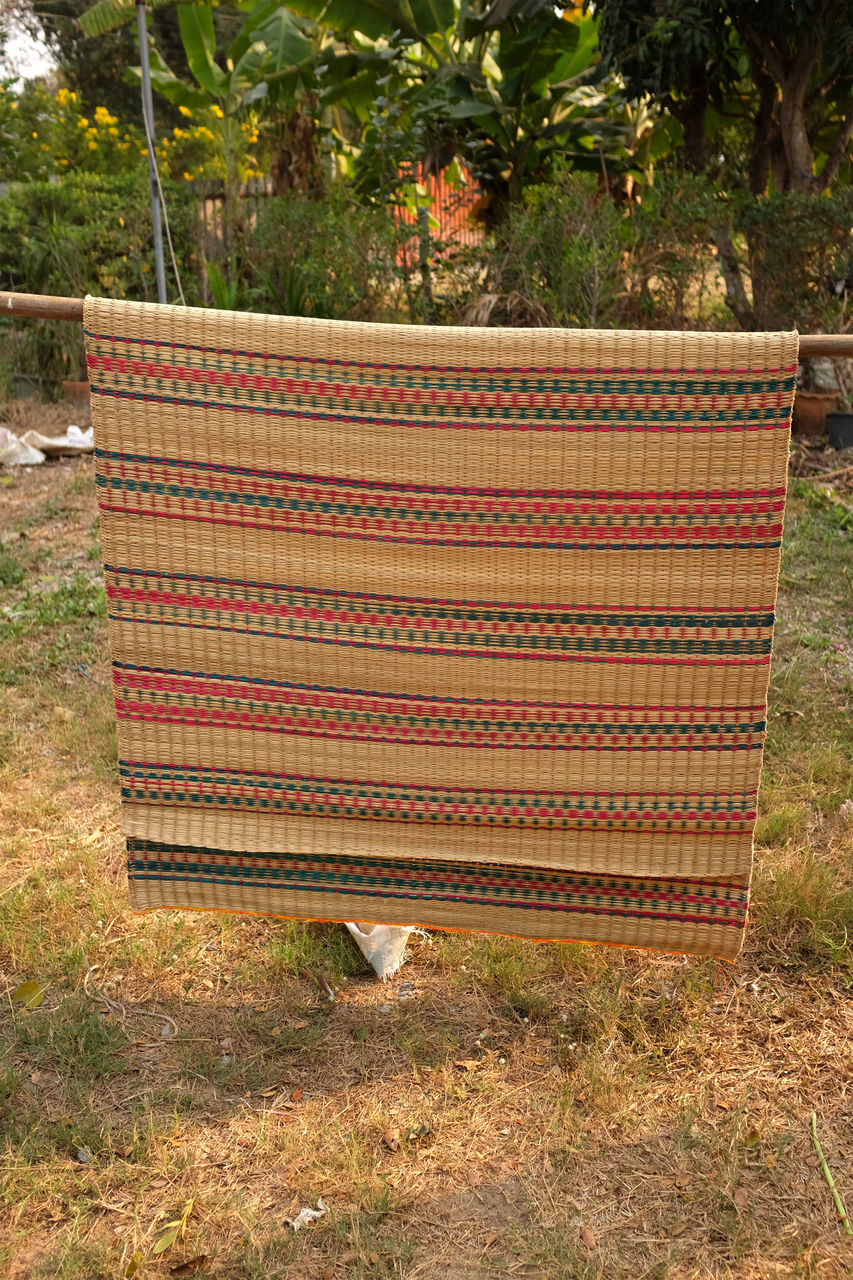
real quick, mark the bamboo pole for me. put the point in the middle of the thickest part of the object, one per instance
(42, 307)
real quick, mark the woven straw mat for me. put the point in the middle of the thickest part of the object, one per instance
(461, 628)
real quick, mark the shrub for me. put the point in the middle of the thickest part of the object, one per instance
(84, 234)
(558, 260)
(334, 258)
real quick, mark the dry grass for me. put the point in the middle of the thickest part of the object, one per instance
(569, 1112)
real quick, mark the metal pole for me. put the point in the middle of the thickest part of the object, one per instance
(148, 116)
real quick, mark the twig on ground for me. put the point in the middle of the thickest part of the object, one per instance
(322, 982)
(830, 1181)
(115, 1006)
(828, 475)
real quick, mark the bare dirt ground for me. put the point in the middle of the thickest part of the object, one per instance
(499, 1109)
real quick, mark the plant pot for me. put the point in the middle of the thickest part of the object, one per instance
(840, 430)
(77, 392)
(810, 410)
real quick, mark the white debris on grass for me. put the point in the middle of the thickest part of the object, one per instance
(69, 445)
(306, 1216)
(15, 453)
(32, 448)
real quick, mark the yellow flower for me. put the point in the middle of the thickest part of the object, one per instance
(103, 116)
(92, 144)
(35, 135)
(82, 123)
(63, 97)
(113, 131)
(188, 176)
(185, 111)
(218, 112)
(121, 221)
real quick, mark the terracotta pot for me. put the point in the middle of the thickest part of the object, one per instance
(810, 410)
(78, 392)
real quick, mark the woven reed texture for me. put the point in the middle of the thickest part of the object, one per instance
(453, 627)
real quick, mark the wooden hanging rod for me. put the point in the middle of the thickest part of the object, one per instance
(41, 307)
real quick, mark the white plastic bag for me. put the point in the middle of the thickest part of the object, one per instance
(17, 453)
(69, 445)
(384, 945)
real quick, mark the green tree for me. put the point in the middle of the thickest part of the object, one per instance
(783, 68)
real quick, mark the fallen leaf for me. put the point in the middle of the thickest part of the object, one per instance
(346, 1258)
(29, 994)
(391, 1138)
(468, 1064)
(472, 1177)
(299, 1024)
(588, 1238)
(752, 1139)
(812, 1161)
(167, 1239)
(683, 1180)
(134, 1265)
(276, 1031)
(158, 1182)
(490, 1240)
(188, 1267)
(421, 1131)
(771, 1161)
(678, 1228)
(297, 1095)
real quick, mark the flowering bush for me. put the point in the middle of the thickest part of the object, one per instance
(197, 149)
(46, 133)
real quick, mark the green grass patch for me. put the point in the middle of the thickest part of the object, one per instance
(11, 569)
(74, 1039)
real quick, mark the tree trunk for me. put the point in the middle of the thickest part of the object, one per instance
(766, 139)
(296, 166)
(795, 138)
(690, 114)
(736, 299)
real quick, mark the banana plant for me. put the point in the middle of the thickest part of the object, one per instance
(504, 85)
(272, 50)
